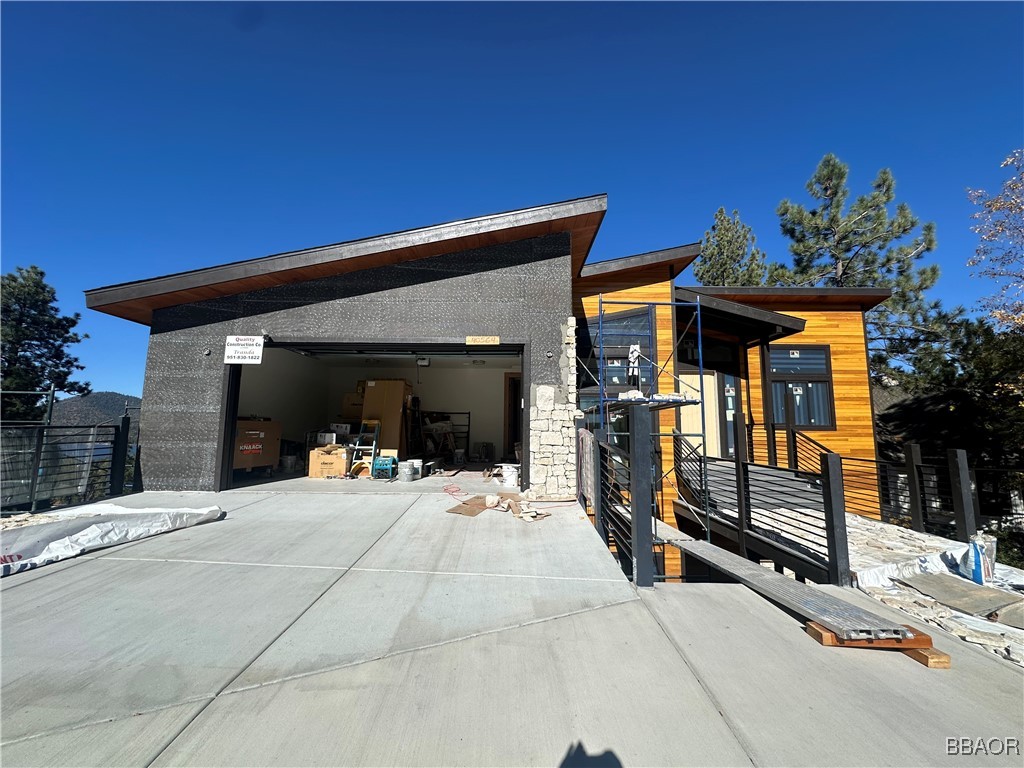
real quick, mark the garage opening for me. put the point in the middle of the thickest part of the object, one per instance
(456, 409)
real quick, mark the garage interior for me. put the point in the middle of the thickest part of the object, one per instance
(457, 409)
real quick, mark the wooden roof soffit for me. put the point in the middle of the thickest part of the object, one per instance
(632, 271)
(783, 298)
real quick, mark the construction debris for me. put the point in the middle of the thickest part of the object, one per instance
(887, 562)
(1000, 638)
(960, 594)
(504, 503)
(1011, 615)
(29, 518)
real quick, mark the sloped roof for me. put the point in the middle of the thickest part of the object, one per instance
(793, 298)
(677, 258)
(137, 300)
(748, 324)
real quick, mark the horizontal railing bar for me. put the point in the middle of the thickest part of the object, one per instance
(794, 530)
(787, 485)
(790, 535)
(607, 489)
(771, 506)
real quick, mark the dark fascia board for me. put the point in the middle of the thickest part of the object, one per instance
(763, 323)
(864, 298)
(683, 254)
(98, 298)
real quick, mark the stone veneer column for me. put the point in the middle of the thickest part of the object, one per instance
(553, 414)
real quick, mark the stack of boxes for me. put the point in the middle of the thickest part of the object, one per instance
(379, 399)
(330, 461)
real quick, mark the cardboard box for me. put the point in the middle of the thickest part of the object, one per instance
(257, 444)
(352, 406)
(329, 464)
(341, 430)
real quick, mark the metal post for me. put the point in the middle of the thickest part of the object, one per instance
(791, 448)
(595, 458)
(742, 487)
(641, 494)
(137, 473)
(601, 365)
(835, 519)
(49, 404)
(963, 499)
(581, 497)
(120, 457)
(704, 487)
(37, 460)
(912, 452)
(975, 494)
(769, 406)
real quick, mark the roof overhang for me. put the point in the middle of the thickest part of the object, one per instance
(655, 266)
(137, 300)
(782, 298)
(729, 320)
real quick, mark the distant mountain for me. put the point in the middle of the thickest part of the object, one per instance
(96, 408)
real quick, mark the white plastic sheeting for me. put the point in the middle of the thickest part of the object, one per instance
(84, 529)
(934, 562)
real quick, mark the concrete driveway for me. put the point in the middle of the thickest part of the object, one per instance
(351, 629)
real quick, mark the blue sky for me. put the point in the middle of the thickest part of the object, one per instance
(142, 139)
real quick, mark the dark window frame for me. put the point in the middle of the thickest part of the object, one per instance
(808, 378)
(586, 390)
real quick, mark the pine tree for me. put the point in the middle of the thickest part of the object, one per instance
(968, 393)
(35, 337)
(729, 254)
(863, 246)
(1000, 254)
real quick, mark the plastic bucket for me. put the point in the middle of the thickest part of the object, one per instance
(509, 475)
(417, 466)
(406, 472)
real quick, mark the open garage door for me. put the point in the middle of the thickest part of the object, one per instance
(455, 405)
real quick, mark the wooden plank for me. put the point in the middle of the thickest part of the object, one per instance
(826, 637)
(822, 635)
(930, 657)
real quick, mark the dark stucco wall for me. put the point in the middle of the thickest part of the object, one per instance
(519, 291)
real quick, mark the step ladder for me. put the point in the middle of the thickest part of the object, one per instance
(365, 448)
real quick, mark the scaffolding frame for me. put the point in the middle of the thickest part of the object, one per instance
(605, 402)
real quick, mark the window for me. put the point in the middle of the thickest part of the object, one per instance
(801, 382)
(614, 334)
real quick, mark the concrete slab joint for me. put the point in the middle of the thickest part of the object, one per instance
(552, 426)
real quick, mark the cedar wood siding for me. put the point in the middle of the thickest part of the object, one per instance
(854, 435)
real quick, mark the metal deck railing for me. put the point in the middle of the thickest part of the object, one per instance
(51, 465)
